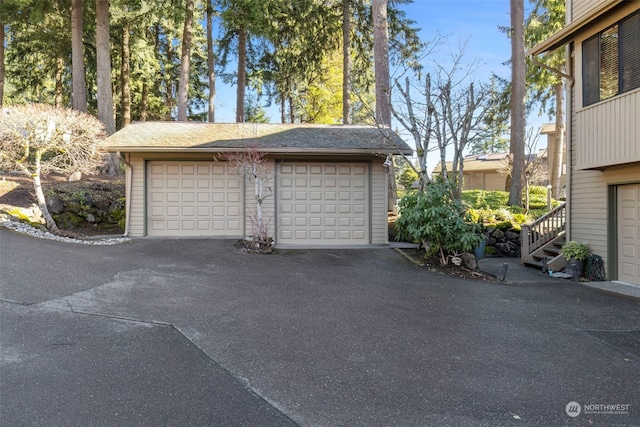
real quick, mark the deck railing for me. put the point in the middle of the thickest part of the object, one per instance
(543, 230)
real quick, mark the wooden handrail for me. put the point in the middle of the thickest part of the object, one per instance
(544, 229)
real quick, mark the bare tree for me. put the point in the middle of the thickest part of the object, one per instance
(79, 91)
(185, 61)
(518, 94)
(444, 113)
(38, 139)
(252, 164)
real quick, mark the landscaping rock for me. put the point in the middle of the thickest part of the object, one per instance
(469, 260)
(56, 206)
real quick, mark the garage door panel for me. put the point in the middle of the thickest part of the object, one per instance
(629, 233)
(323, 204)
(193, 199)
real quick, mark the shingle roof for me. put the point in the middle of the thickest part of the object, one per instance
(270, 137)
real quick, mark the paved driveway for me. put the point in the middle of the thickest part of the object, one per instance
(190, 332)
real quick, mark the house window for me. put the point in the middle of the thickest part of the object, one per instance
(611, 61)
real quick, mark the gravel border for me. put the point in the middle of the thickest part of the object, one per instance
(20, 227)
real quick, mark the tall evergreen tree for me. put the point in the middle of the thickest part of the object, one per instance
(79, 92)
(185, 61)
(518, 94)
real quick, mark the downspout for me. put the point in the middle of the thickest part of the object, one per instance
(127, 196)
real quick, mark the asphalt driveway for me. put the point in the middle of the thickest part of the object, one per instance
(191, 332)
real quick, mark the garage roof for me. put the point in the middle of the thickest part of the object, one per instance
(269, 137)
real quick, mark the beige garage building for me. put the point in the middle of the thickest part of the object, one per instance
(328, 183)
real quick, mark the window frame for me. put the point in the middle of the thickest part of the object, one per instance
(592, 89)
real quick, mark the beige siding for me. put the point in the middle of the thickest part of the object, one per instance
(581, 8)
(137, 197)
(607, 133)
(379, 212)
(495, 182)
(590, 213)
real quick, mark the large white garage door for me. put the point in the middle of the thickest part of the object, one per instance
(193, 199)
(629, 233)
(323, 204)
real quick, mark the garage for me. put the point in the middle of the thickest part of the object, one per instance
(323, 204)
(629, 233)
(193, 199)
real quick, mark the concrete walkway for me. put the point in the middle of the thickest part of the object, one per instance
(518, 273)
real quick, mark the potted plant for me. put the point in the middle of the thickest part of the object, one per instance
(576, 253)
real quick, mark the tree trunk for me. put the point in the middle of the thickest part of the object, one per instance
(144, 101)
(42, 202)
(169, 100)
(79, 91)
(381, 67)
(242, 74)
(185, 61)
(381, 61)
(1, 62)
(518, 93)
(556, 171)
(103, 80)
(59, 85)
(125, 100)
(211, 111)
(346, 62)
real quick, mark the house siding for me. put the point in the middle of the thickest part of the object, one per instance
(379, 211)
(590, 211)
(580, 8)
(607, 131)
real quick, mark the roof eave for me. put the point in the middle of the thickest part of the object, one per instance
(306, 151)
(566, 34)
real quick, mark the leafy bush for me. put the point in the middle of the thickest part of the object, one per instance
(574, 249)
(439, 221)
(538, 190)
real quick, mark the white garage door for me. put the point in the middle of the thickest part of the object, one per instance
(629, 233)
(323, 204)
(193, 199)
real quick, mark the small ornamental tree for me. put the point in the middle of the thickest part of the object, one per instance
(251, 163)
(437, 220)
(38, 139)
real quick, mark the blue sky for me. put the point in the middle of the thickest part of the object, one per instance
(475, 22)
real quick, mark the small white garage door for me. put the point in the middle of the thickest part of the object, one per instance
(629, 233)
(193, 199)
(323, 204)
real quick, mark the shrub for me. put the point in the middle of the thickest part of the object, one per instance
(576, 250)
(435, 218)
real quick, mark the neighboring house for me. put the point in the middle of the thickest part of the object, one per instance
(480, 171)
(484, 171)
(329, 182)
(602, 39)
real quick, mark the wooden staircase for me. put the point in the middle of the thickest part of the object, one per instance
(543, 238)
